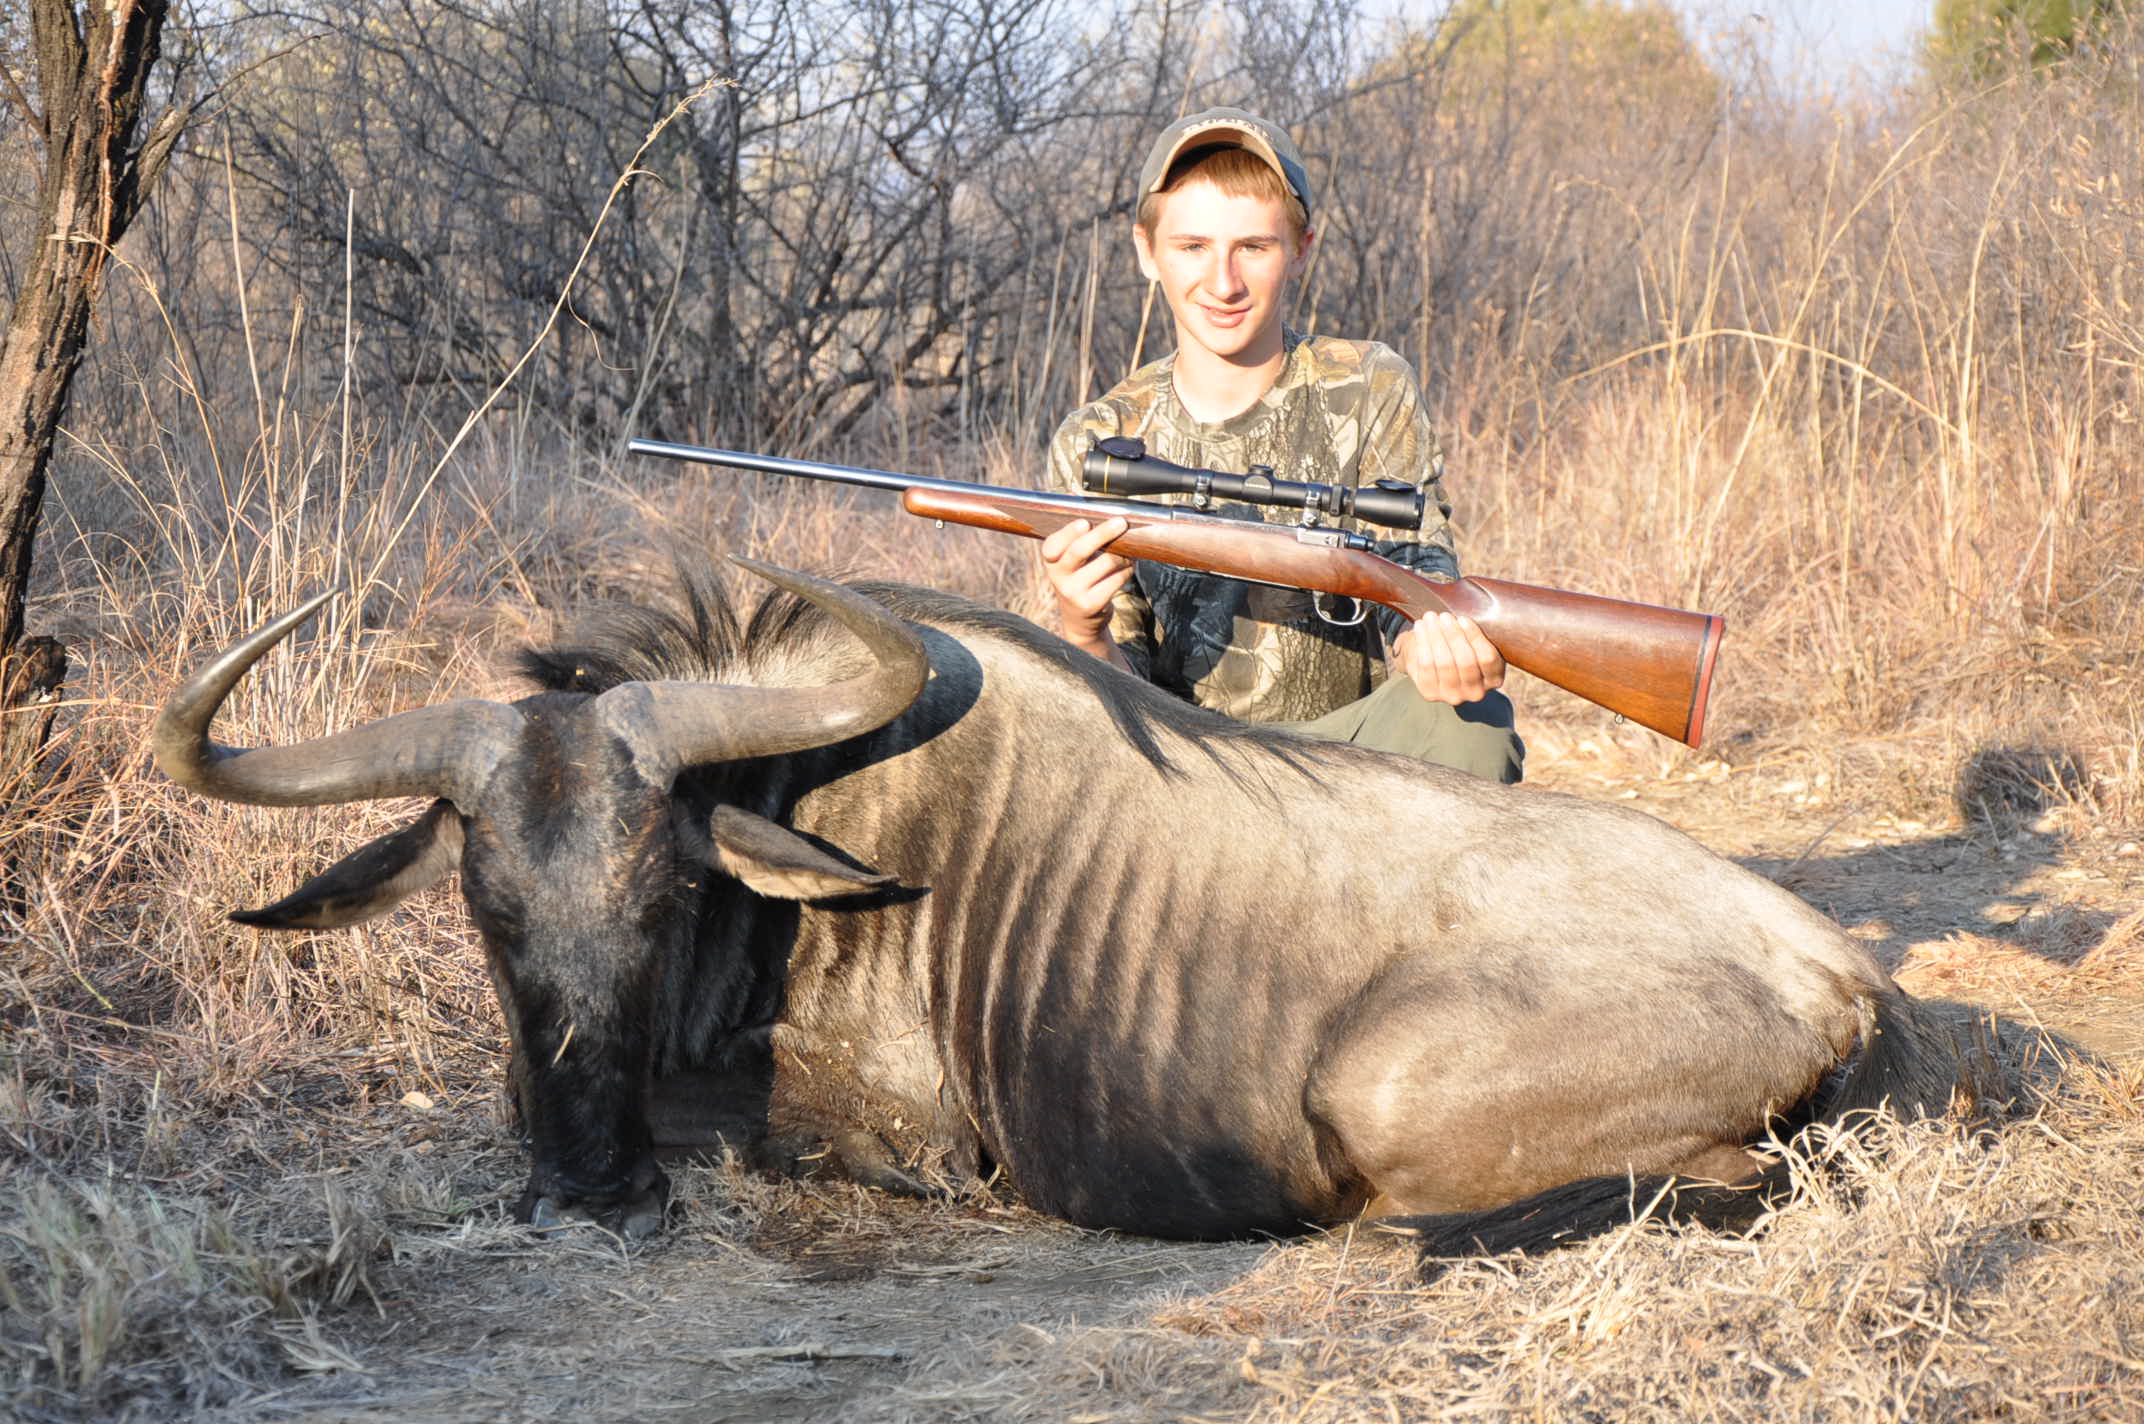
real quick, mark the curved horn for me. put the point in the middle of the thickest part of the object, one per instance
(678, 724)
(447, 750)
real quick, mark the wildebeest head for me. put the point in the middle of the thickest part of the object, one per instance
(579, 865)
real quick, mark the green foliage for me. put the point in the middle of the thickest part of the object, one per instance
(1635, 52)
(1982, 37)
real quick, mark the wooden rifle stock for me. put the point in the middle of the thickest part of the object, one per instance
(1652, 665)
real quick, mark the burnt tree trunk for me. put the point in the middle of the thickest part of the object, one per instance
(84, 103)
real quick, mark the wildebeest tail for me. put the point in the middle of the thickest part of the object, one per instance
(1577, 1211)
(1909, 1063)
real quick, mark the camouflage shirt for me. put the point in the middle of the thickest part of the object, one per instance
(1342, 412)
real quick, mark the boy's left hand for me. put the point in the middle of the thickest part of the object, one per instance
(1449, 659)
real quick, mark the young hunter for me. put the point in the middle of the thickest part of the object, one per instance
(1223, 226)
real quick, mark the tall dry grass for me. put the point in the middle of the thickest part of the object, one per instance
(1886, 418)
(1869, 387)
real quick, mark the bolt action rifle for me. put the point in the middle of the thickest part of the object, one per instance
(1651, 665)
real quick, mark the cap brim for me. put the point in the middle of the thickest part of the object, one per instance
(1221, 133)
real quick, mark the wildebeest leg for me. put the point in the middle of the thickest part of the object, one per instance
(636, 1215)
(708, 1110)
(1448, 1090)
(849, 1153)
(1720, 1165)
(718, 1099)
(823, 1121)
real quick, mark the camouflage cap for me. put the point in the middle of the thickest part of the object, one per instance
(1231, 128)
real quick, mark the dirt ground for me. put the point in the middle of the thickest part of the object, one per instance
(778, 1301)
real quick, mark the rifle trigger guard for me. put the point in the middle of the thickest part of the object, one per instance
(1317, 602)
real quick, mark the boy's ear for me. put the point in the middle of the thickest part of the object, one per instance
(1301, 259)
(1143, 245)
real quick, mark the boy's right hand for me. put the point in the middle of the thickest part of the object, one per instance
(1085, 577)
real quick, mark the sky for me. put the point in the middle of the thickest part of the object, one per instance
(1829, 38)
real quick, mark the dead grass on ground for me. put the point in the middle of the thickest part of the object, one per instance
(1943, 1276)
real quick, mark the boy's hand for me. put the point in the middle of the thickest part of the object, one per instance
(1449, 659)
(1085, 576)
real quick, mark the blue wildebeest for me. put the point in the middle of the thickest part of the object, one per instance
(992, 903)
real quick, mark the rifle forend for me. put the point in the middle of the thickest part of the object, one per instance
(1652, 665)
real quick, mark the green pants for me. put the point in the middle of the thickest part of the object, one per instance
(1478, 737)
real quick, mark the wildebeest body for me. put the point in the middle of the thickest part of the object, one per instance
(1171, 974)
(1200, 1008)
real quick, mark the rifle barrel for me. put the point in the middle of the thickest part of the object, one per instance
(1084, 506)
(778, 465)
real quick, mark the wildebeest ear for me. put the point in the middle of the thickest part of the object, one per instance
(779, 862)
(372, 879)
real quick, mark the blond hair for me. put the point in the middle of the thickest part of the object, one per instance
(1238, 173)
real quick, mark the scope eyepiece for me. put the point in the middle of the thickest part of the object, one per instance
(1120, 465)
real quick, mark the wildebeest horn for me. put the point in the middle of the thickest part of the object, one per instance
(446, 750)
(679, 724)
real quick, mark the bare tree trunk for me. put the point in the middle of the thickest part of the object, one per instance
(92, 73)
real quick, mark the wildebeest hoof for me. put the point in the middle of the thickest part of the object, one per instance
(868, 1162)
(643, 1217)
(635, 1214)
(856, 1156)
(634, 1220)
(547, 1214)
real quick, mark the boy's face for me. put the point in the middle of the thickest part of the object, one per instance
(1224, 264)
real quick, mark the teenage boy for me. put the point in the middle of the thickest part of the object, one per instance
(1223, 226)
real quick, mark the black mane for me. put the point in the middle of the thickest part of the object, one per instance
(703, 639)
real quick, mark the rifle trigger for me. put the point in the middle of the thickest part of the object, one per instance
(1317, 602)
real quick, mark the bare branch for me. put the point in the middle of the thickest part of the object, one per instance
(19, 101)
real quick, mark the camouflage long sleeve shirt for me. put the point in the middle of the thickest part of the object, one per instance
(1342, 412)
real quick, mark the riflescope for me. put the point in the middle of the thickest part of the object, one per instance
(1120, 465)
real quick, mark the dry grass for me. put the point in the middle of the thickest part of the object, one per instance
(1888, 420)
(1947, 1278)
